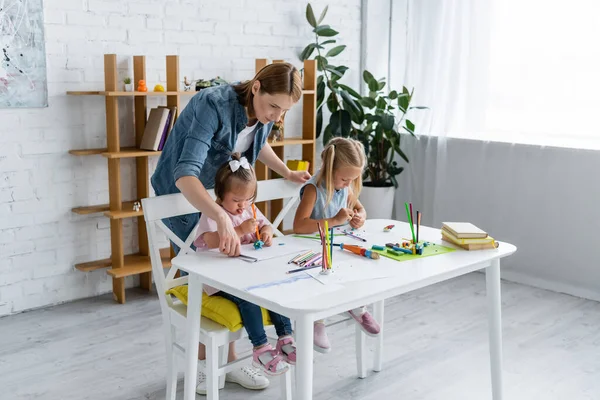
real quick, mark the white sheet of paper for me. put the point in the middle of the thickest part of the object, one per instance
(297, 288)
(348, 272)
(275, 250)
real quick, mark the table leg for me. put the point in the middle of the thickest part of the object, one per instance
(192, 336)
(378, 315)
(304, 361)
(492, 277)
(361, 352)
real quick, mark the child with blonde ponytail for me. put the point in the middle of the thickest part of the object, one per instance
(332, 196)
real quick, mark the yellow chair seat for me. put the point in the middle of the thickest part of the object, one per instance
(218, 309)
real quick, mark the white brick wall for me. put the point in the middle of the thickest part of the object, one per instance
(40, 239)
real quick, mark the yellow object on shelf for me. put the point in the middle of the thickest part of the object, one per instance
(298, 165)
(159, 88)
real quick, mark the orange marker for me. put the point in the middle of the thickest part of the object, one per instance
(361, 251)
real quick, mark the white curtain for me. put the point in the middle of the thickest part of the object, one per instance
(440, 48)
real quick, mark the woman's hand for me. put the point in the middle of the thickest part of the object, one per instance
(357, 220)
(298, 176)
(229, 241)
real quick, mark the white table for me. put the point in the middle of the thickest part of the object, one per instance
(234, 275)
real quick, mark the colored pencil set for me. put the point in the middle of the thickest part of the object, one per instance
(327, 243)
(306, 260)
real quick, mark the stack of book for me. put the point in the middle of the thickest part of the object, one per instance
(467, 236)
(159, 124)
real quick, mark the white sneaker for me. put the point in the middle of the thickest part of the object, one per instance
(201, 381)
(247, 377)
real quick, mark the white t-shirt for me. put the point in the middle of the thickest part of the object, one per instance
(245, 139)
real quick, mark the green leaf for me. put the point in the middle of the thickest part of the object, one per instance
(328, 42)
(342, 69)
(401, 153)
(307, 52)
(381, 85)
(335, 51)
(373, 118)
(321, 62)
(327, 134)
(320, 93)
(331, 103)
(381, 103)
(419, 108)
(367, 102)
(372, 94)
(322, 15)
(405, 90)
(341, 123)
(393, 95)
(319, 79)
(373, 85)
(320, 27)
(368, 77)
(327, 32)
(403, 103)
(410, 126)
(356, 111)
(387, 121)
(310, 16)
(333, 70)
(352, 92)
(319, 121)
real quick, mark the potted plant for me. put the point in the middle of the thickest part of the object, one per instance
(128, 84)
(377, 119)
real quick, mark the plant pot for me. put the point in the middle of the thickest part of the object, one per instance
(377, 201)
(128, 87)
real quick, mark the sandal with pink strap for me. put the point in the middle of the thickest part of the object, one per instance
(267, 359)
(287, 348)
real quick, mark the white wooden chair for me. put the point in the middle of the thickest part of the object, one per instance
(214, 336)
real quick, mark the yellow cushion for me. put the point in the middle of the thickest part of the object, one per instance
(218, 309)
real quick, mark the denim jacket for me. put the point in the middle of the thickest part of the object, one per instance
(203, 139)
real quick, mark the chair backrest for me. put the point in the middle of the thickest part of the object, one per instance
(172, 205)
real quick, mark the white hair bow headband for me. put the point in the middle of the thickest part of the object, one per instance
(235, 164)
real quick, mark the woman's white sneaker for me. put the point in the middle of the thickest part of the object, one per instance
(247, 377)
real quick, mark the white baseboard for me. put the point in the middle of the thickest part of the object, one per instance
(554, 286)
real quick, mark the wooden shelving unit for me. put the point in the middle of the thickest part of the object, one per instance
(123, 265)
(308, 140)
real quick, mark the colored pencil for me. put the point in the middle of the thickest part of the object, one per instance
(354, 236)
(412, 230)
(302, 269)
(254, 212)
(418, 224)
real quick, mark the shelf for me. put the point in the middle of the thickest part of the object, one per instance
(129, 152)
(140, 94)
(87, 152)
(287, 142)
(127, 211)
(131, 259)
(137, 264)
(127, 94)
(126, 152)
(91, 209)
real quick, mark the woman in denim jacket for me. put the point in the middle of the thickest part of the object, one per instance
(217, 122)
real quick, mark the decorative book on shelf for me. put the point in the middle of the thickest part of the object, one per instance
(157, 128)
